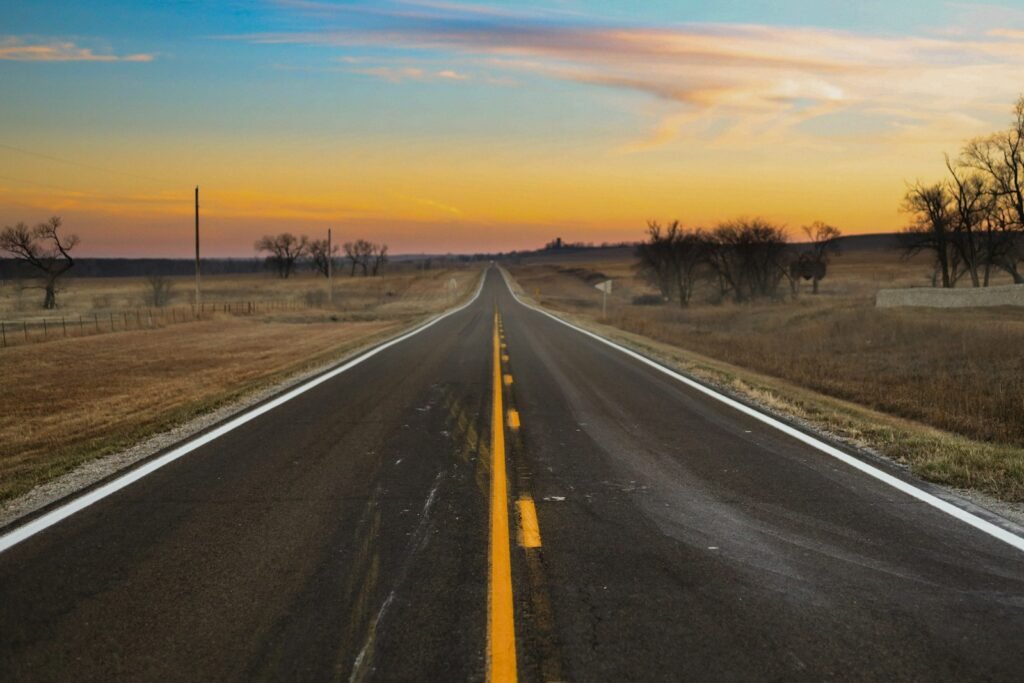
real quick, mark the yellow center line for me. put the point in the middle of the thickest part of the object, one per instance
(529, 527)
(501, 631)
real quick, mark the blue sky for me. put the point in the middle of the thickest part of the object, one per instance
(424, 120)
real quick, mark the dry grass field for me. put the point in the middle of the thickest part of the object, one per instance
(67, 401)
(960, 371)
(399, 287)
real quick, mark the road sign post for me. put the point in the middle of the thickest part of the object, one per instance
(330, 272)
(606, 289)
(199, 295)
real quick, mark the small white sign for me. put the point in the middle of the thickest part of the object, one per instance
(452, 283)
(605, 287)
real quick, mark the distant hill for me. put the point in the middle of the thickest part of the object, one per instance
(579, 253)
(138, 267)
(882, 241)
(141, 267)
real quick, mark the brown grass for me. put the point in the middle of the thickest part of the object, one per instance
(959, 371)
(86, 296)
(68, 401)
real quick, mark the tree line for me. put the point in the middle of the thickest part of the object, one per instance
(285, 251)
(745, 259)
(972, 222)
(43, 250)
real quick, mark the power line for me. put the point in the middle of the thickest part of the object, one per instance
(91, 167)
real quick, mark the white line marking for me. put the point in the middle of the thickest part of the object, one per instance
(19, 534)
(909, 489)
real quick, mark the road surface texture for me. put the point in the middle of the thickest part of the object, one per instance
(650, 533)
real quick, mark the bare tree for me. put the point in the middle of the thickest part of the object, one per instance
(931, 210)
(319, 257)
(671, 259)
(1000, 158)
(366, 255)
(812, 264)
(973, 204)
(654, 259)
(42, 248)
(749, 258)
(352, 256)
(1004, 241)
(380, 257)
(358, 254)
(159, 290)
(283, 251)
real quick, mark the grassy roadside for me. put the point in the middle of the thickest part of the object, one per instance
(69, 402)
(935, 455)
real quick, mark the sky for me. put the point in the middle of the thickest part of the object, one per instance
(438, 126)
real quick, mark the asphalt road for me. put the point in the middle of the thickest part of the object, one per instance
(347, 534)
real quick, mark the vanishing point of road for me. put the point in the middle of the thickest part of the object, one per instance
(501, 496)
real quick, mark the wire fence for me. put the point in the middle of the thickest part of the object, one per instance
(20, 332)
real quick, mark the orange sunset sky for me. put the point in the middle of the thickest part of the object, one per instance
(460, 127)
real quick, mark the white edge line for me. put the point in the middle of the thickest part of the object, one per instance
(909, 489)
(21, 533)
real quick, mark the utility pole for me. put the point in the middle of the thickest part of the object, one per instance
(330, 272)
(198, 291)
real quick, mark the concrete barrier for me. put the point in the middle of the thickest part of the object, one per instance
(965, 297)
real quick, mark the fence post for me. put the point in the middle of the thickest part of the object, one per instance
(81, 325)
(96, 319)
(44, 328)
(111, 321)
(64, 325)
(3, 333)
(24, 326)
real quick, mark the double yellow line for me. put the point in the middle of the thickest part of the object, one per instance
(501, 629)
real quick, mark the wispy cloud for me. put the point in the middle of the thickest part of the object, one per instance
(434, 204)
(1016, 34)
(452, 75)
(21, 50)
(398, 74)
(754, 81)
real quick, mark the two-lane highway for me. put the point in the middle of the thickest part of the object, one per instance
(502, 495)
